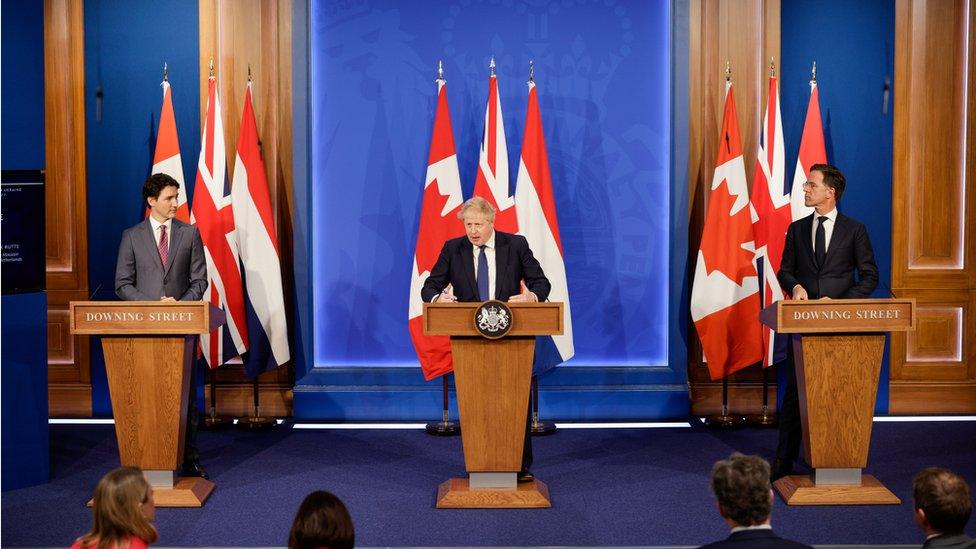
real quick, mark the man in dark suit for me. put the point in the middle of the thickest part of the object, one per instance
(487, 264)
(161, 258)
(943, 504)
(822, 254)
(745, 500)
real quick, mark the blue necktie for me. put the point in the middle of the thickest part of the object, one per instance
(483, 274)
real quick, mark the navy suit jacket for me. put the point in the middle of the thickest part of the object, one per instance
(755, 539)
(947, 541)
(139, 273)
(849, 250)
(514, 262)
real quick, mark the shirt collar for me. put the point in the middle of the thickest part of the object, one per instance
(766, 526)
(155, 224)
(490, 243)
(831, 215)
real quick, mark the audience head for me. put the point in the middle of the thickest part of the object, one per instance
(943, 501)
(322, 521)
(741, 486)
(123, 507)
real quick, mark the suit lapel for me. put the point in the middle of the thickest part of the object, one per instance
(176, 236)
(149, 243)
(806, 237)
(501, 266)
(467, 265)
(839, 232)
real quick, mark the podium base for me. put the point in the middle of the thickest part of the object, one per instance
(456, 494)
(186, 492)
(801, 490)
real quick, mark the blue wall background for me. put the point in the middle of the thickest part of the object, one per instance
(603, 74)
(23, 378)
(126, 44)
(853, 64)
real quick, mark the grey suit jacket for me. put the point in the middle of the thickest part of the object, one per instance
(139, 273)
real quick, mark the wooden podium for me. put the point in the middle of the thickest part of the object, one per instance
(149, 351)
(493, 378)
(837, 348)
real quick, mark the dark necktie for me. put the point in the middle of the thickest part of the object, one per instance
(820, 245)
(483, 274)
(163, 245)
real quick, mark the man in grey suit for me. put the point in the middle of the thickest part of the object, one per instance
(943, 504)
(162, 258)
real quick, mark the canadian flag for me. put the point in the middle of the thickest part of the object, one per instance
(438, 223)
(725, 292)
(213, 214)
(539, 225)
(492, 181)
(812, 151)
(772, 205)
(257, 241)
(167, 158)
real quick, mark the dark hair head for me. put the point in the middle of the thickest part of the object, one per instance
(155, 185)
(832, 178)
(322, 521)
(945, 498)
(741, 485)
(117, 509)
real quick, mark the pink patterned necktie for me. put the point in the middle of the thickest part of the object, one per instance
(163, 245)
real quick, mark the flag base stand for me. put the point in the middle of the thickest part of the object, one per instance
(445, 427)
(763, 419)
(724, 421)
(213, 422)
(539, 428)
(542, 428)
(186, 492)
(256, 423)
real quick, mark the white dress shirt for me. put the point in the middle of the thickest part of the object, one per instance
(157, 233)
(828, 228)
(489, 251)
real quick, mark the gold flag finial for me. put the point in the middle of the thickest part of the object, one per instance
(728, 71)
(491, 66)
(531, 71)
(249, 80)
(211, 68)
(813, 73)
(440, 71)
(772, 67)
(165, 72)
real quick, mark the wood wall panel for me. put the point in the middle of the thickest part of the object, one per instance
(933, 209)
(237, 34)
(66, 229)
(746, 33)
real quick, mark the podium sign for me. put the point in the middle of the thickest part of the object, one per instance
(149, 351)
(837, 350)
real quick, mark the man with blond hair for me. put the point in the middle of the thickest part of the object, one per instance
(487, 264)
(745, 500)
(943, 504)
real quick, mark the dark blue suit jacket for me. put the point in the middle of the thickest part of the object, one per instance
(755, 539)
(514, 262)
(849, 251)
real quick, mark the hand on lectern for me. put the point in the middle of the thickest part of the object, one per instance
(447, 296)
(164, 298)
(525, 296)
(799, 293)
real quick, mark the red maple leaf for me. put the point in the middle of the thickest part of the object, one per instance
(435, 230)
(724, 235)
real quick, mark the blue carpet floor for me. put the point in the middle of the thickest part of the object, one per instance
(616, 487)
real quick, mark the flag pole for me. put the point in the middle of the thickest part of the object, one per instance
(764, 418)
(445, 427)
(539, 427)
(214, 422)
(723, 420)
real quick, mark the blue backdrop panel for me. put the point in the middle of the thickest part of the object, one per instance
(858, 132)
(126, 44)
(25, 432)
(604, 80)
(23, 85)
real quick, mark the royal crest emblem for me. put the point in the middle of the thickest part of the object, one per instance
(493, 319)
